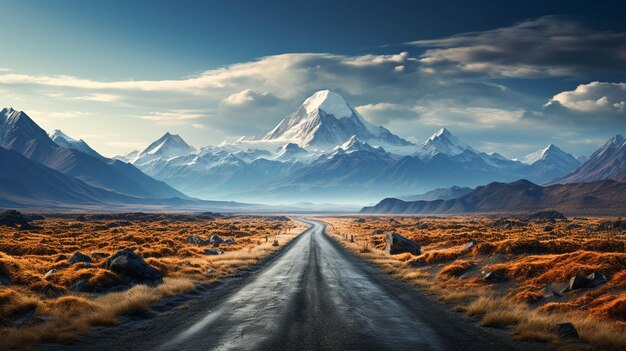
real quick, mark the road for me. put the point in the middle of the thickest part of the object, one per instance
(314, 295)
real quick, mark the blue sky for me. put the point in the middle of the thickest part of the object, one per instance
(507, 77)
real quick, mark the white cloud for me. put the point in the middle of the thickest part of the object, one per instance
(594, 97)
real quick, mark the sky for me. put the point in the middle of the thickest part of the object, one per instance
(509, 77)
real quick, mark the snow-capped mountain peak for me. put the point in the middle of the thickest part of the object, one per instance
(549, 152)
(445, 143)
(323, 121)
(58, 134)
(65, 141)
(329, 102)
(169, 145)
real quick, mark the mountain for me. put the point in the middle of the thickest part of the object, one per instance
(169, 145)
(324, 121)
(291, 152)
(605, 197)
(439, 194)
(549, 163)
(443, 142)
(63, 140)
(20, 133)
(608, 162)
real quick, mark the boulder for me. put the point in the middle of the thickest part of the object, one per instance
(230, 241)
(578, 282)
(132, 266)
(597, 278)
(80, 286)
(216, 240)
(546, 216)
(194, 239)
(25, 318)
(397, 244)
(50, 273)
(566, 331)
(213, 252)
(12, 218)
(377, 231)
(548, 228)
(468, 247)
(494, 277)
(79, 257)
(359, 220)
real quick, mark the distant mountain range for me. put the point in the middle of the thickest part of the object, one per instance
(606, 197)
(56, 171)
(323, 152)
(326, 151)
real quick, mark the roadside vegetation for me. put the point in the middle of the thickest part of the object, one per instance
(529, 275)
(57, 280)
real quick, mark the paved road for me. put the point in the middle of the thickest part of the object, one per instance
(313, 296)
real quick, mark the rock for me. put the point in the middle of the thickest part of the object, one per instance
(25, 318)
(230, 241)
(79, 257)
(4, 280)
(597, 278)
(50, 273)
(424, 226)
(468, 247)
(12, 218)
(28, 226)
(131, 265)
(80, 286)
(377, 231)
(212, 252)
(548, 228)
(573, 226)
(52, 291)
(359, 220)
(417, 263)
(566, 331)
(397, 244)
(216, 240)
(494, 277)
(194, 239)
(546, 216)
(578, 282)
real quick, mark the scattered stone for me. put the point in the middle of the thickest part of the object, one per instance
(229, 241)
(216, 240)
(25, 318)
(79, 257)
(194, 239)
(359, 220)
(566, 331)
(618, 224)
(546, 216)
(468, 247)
(494, 277)
(212, 252)
(578, 282)
(132, 266)
(597, 278)
(548, 228)
(50, 273)
(80, 286)
(397, 244)
(424, 226)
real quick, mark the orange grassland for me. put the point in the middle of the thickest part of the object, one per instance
(536, 258)
(25, 257)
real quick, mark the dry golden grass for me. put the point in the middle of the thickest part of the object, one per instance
(26, 256)
(535, 259)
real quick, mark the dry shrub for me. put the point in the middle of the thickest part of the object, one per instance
(457, 268)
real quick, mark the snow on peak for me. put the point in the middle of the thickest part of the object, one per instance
(168, 145)
(58, 134)
(329, 102)
(444, 142)
(550, 151)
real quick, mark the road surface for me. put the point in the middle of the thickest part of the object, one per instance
(314, 295)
